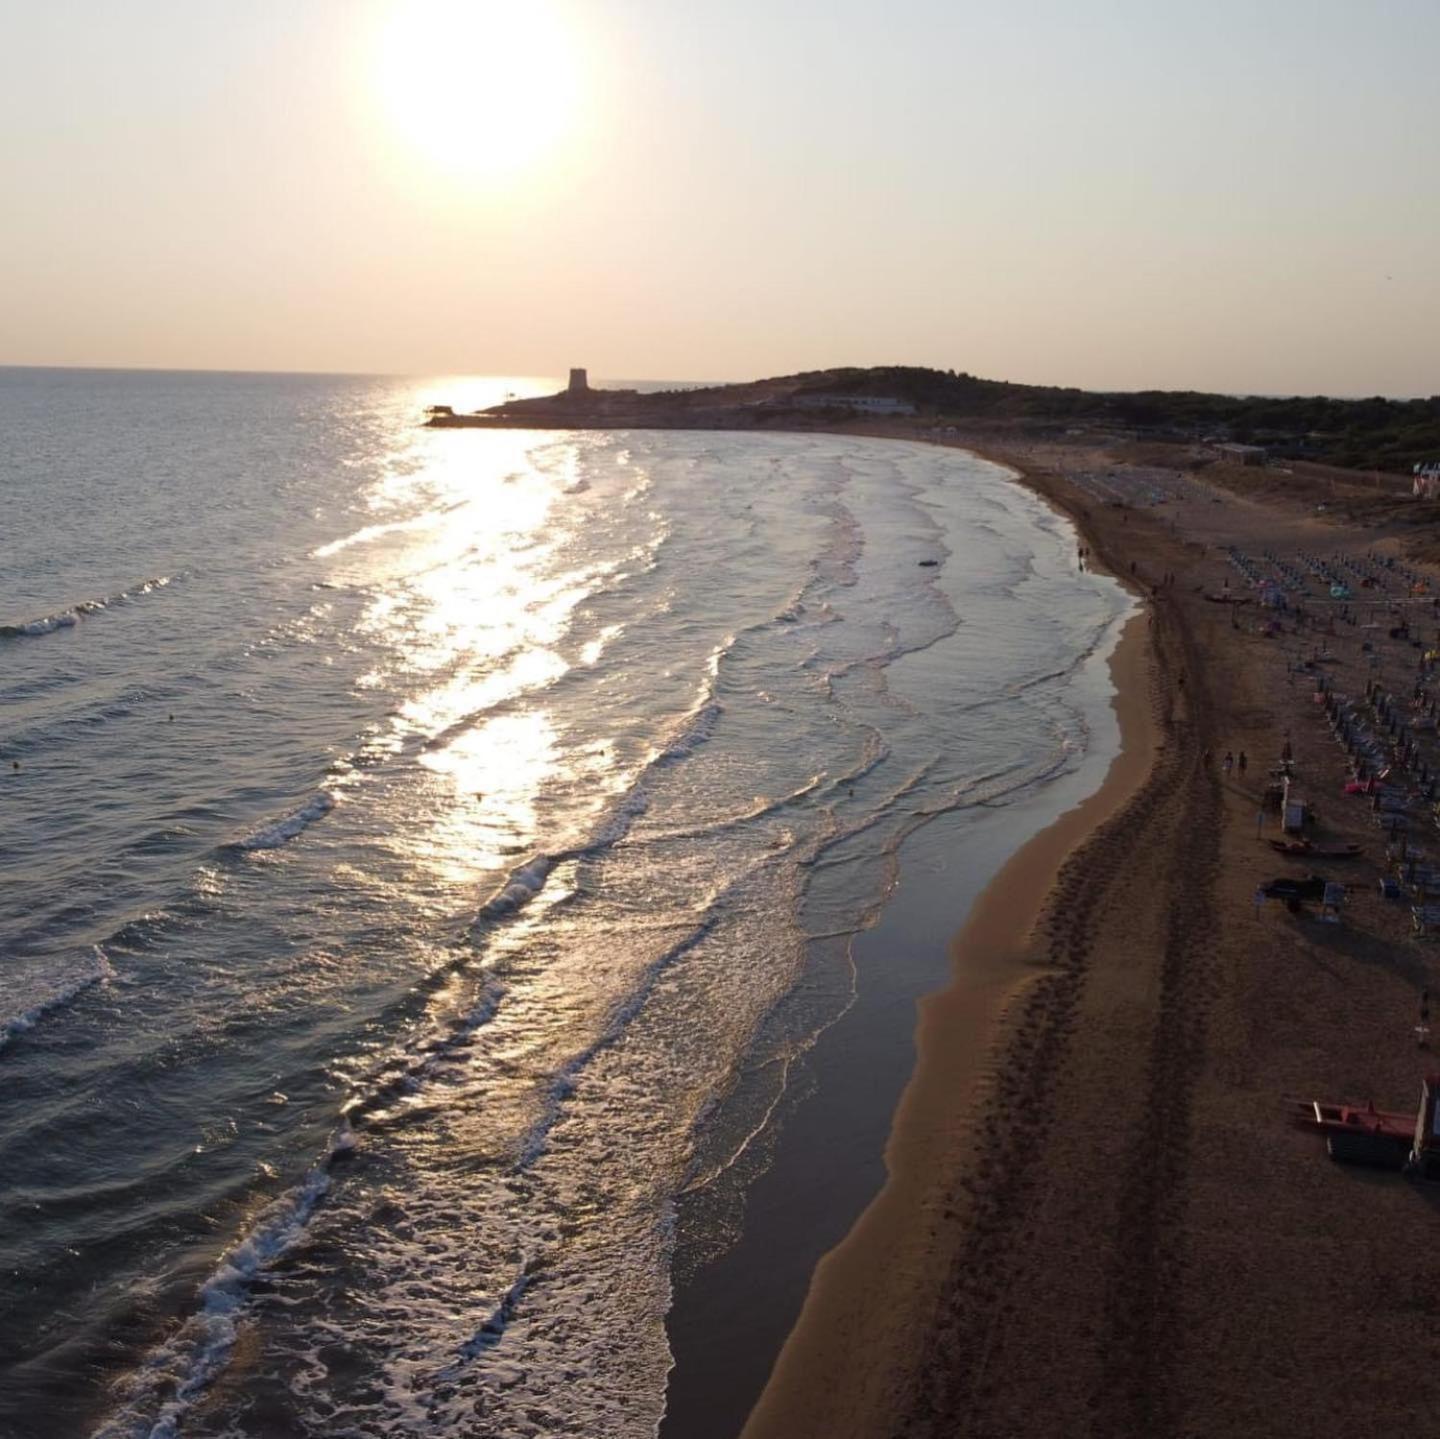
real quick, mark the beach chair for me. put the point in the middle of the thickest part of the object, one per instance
(1424, 882)
(1332, 902)
(1425, 920)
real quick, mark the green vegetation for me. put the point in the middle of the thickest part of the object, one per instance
(1359, 434)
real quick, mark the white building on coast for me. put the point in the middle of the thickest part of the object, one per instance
(859, 404)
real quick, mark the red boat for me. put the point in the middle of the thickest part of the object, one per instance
(1391, 1139)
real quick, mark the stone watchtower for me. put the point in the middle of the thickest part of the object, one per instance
(579, 383)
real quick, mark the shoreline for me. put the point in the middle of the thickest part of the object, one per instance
(823, 1382)
(955, 1019)
(1133, 1232)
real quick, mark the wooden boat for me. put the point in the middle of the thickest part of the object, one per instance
(1391, 1139)
(1359, 1134)
(1305, 849)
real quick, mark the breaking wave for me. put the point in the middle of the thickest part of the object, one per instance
(28, 1018)
(184, 1366)
(525, 882)
(65, 619)
(283, 830)
(520, 888)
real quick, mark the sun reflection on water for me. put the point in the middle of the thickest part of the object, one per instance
(495, 772)
(473, 593)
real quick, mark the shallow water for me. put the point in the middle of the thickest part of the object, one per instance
(430, 854)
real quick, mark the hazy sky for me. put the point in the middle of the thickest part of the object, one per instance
(1241, 195)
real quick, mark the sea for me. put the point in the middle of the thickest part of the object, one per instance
(428, 858)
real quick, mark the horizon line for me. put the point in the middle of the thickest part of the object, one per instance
(698, 384)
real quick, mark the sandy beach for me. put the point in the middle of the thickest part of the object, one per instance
(1098, 1218)
(882, 1282)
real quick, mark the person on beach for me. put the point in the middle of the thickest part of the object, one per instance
(1240, 763)
(1228, 763)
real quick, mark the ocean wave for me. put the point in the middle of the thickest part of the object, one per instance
(838, 561)
(66, 618)
(76, 716)
(697, 728)
(873, 753)
(562, 1086)
(283, 830)
(761, 809)
(43, 626)
(520, 888)
(693, 730)
(28, 1018)
(386, 527)
(883, 812)
(404, 1071)
(1100, 635)
(184, 1366)
(527, 880)
(991, 789)
(492, 1330)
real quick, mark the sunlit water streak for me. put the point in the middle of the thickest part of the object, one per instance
(395, 898)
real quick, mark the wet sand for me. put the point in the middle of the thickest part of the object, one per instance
(731, 1317)
(869, 1294)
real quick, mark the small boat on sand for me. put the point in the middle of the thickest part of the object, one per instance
(1360, 1134)
(1305, 849)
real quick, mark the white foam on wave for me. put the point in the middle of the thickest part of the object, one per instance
(533, 1144)
(699, 727)
(614, 827)
(519, 889)
(376, 532)
(65, 619)
(283, 830)
(404, 1073)
(101, 973)
(762, 808)
(41, 626)
(185, 1365)
(525, 882)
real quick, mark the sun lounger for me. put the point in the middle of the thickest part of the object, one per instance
(1426, 920)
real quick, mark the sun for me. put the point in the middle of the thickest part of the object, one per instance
(476, 88)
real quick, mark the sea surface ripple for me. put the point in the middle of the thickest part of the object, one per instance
(418, 850)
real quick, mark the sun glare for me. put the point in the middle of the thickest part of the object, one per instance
(477, 88)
